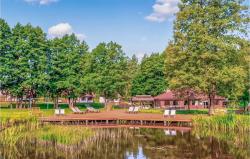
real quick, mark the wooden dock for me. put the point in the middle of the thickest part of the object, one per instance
(120, 117)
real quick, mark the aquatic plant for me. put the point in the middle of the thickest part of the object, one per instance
(10, 135)
(9, 118)
(63, 134)
(223, 122)
(238, 141)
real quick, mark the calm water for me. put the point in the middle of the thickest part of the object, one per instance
(121, 143)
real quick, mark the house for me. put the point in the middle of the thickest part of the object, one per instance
(143, 100)
(6, 98)
(2, 97)
(196, 101)
(86, 98)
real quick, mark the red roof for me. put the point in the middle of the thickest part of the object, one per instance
(145, 98)
(169, 95)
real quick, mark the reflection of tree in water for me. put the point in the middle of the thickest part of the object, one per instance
(191, 145)
(118, 143)
(237, 142)
(105, 143)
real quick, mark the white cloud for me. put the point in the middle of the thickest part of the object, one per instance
(62, 29)
(162, 10)
(41, 2)
(81, 37)
(140, 56)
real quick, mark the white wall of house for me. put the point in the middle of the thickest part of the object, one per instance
(102, 99)
(85, 100)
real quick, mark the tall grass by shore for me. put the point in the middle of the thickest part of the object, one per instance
(63, 134)
(223, 122)
(9, 118)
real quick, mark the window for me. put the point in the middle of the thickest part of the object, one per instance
(167, 102)
(193, 102)
(175, 102)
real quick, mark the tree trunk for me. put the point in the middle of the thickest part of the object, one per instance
(34, 95)
(74, 101)
(30, 102)
(188, 104)
(19, 103)
(56, 102)
(211, 104)
(71, 102)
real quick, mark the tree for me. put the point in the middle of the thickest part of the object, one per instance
(65, 68)
(131, 72)
(5, 53)
(25, 62)
(150, 78)
(107, 70)
(208, 52)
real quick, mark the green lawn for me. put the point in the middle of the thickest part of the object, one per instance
(14, 114)
(61, 105)
(160, 111)
(45, 110)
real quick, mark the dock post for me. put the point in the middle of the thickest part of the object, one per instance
(141, 122)
(107, 122)
(165, 123)
(86, 121)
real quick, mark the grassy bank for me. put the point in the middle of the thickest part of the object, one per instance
(23, 114)
(223, 122)
(51, 106)
(160, 111)
(63, 134)
(8, 112)
(13, 116)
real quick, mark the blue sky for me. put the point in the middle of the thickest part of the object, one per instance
(140, 26)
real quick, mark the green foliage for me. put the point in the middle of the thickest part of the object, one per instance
(106, 70)
(10, 116)
(160, 111)
(5, 49)
(131, 72)
(64, 67)
(208, 53)
(66, 135)
(154, 111)
(244, 99)
(150, 79)
(235, 139)
(194, 112)
(24, 61)
(223, 122)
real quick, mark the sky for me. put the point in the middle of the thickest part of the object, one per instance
(140, 26)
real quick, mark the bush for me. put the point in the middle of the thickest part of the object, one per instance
(64, 106)
(201, 111)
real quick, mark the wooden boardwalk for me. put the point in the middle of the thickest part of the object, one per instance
(119, 117)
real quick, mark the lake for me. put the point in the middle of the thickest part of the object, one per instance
(132, 143)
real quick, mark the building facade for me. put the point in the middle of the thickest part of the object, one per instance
(198, 101)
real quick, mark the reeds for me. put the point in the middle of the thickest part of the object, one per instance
(229, 122)
(63, 134)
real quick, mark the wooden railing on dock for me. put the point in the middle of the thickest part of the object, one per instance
(117, 121)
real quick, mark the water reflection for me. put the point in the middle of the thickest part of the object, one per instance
(123, 143)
